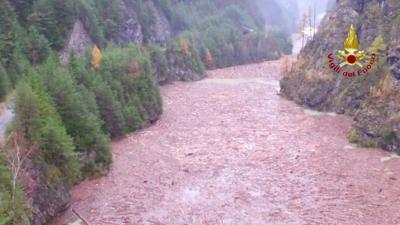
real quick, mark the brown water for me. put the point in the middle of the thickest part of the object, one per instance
(229, 150)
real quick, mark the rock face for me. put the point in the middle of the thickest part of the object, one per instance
(311, 83)
(169, 68)
(394, 62)
(160, 30)
(78, 40)
(132, 30)
(47, 197)
(371, 98)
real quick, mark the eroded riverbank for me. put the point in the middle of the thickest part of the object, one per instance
(230, 150)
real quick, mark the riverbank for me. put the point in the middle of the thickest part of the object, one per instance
(230, 150)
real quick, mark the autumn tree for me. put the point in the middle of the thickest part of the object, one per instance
(185, 49)
(134, 69)
(96, 58)
(285, 66)
(209, 59)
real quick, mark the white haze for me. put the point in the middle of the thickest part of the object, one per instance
(320, 6)
(286, 14)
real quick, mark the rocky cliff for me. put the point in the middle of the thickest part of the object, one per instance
(160, 29)
(157, 32)
(73, 108)
(47, 195)
(131, 29)
(78, 41)
(371, 98)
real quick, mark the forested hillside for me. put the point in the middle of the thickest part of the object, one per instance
(86, 71)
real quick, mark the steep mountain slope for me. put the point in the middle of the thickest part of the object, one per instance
(86, 71)
(372, 98)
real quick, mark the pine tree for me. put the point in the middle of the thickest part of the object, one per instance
(7, 36)
(36, 46)
(23, 8)
(149, 92)
(27, 111)
(78, 71)
(4, 83)
(64, 14)
(58, 148)
(43, 18)
(132, 117)
(39, 123)
(110, 108)
(112, 15)
(88, 15)
(81, 122)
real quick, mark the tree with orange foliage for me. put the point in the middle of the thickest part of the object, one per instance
(185, 49)
(209, 58)
(285, 66)
(134, 69)
(96, 58)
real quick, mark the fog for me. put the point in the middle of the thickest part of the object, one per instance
(320, 7)
(286, 14)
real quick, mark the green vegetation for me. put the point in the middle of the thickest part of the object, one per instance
(378, 46)
(4, 83)
(66, 114)
(12, 207)
(232, 32)
(63, 112)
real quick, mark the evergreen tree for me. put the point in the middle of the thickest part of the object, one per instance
(23, 8)
(7, 36)
(87, 14)
(78, 71)
(64, 15)
(43, 18)
(27, 111)
(81, 122)
(58, 148)
(112, 14)
(36, 46)
(40, 124)
(110, 108)
(4, 83)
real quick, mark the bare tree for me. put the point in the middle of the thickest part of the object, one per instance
(310, 23)
(302, 26)
(315, 22)
(15, 159)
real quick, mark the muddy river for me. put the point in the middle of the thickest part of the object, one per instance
(229, 150)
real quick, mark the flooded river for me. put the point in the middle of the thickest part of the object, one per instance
(229, 150)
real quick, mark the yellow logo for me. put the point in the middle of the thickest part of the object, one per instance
(351, 54)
